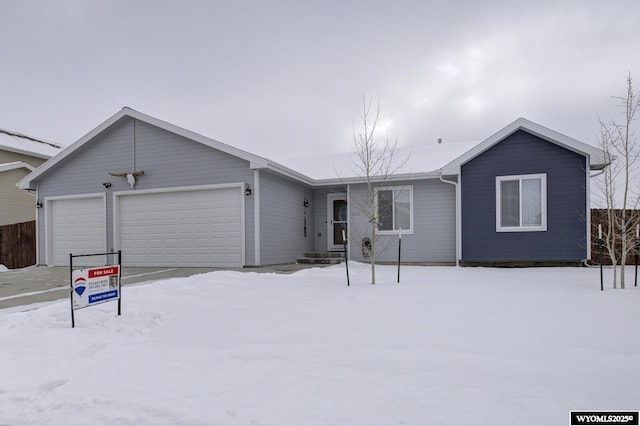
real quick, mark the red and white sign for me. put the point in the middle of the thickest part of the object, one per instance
(92, 286)
(101, 272)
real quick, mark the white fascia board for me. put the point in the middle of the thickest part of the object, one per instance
(595, 155)
(5, 167)
(25, 183)
(25, 152)
(378, 179)
(453, 168)
(283, 170)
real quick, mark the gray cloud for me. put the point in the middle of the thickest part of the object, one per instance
(278, 78)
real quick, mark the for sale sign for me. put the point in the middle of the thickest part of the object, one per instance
(92, 286)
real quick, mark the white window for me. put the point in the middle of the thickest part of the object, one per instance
(394, 209)
(521, 203)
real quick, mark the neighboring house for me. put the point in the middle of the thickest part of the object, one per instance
(19, 155)
(188, 200)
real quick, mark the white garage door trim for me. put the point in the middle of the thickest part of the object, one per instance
(117, 226)
(100, 232)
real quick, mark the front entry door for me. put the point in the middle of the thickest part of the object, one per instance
(337, 220)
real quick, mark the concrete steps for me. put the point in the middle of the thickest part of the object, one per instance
(330, 258)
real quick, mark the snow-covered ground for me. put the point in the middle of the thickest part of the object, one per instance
(447, 346)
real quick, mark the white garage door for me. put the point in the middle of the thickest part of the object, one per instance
(187, 228)
(78, 226)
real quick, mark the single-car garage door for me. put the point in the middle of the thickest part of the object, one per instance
(197, 227)
(78, 226)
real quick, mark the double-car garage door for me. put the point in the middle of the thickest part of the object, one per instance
(196, 227)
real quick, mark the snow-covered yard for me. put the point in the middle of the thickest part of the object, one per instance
(447, 346)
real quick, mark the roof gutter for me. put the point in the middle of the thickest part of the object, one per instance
(279, 168)
(376, 179)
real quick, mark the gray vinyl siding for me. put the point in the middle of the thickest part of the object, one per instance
(282, 219)
(168, 160)
(16, 205)
(434, 228)
(10, 157)
(320, 209)
(523, 153)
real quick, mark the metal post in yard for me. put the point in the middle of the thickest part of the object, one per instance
(637, 240)
(399, 251)
(636, 256)
(600, 244)
(119, 281)
(73, 321)
(346, 256)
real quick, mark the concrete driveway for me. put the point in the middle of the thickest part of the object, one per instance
(36, 284)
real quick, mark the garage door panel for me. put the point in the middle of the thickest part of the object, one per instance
(189, 228)
(78, 226)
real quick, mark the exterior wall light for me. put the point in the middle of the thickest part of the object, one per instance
(39, 204)
(247, 190)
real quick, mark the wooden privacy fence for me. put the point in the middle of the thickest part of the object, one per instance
(600, 217)
(18, 244)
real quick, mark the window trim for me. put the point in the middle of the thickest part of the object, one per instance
(395, 188)
(543, 198)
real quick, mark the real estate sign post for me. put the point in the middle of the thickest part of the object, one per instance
(399, 251)
(93, 286)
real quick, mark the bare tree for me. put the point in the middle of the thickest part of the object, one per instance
(376, 158)
(618, 186)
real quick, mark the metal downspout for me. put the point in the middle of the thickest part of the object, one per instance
(256, 217)
(348, 220)
(37, 194)
(458, 221)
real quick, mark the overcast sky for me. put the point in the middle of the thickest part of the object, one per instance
(281, 78)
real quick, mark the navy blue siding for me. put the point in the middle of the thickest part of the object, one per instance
(523, 153)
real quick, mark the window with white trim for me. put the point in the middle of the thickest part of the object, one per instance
(521, 203)
(394, 209)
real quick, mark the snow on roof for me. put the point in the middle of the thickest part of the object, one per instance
(597, 158)
(420, 160)
(17, 142)
(5, 167)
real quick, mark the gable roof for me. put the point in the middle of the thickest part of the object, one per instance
(255, 162)
(425, 161)
(433, 160)
(28, 145)
(596, 156)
